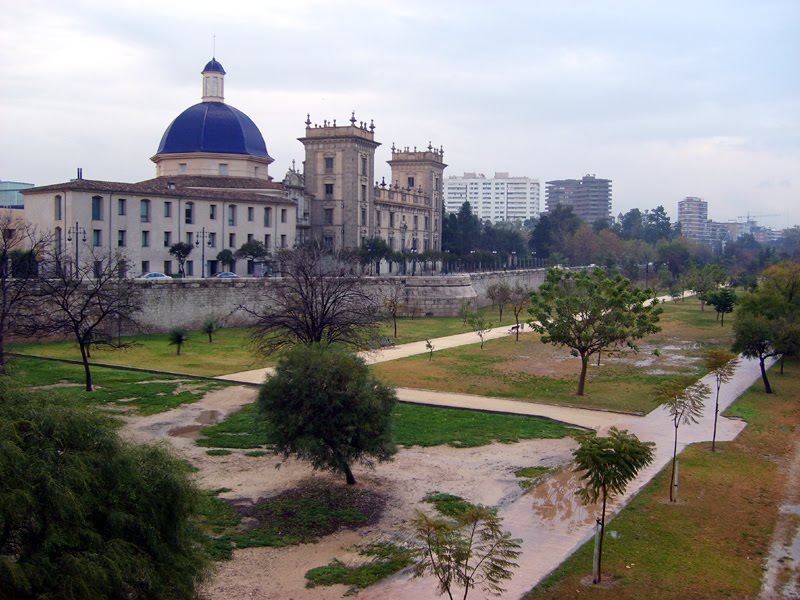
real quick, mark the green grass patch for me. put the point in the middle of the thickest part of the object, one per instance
(413, 425)
(712, 543)
(386, 559)
(116, 389)
(448, 504)
(228, 353)
(298, 516)
(218, 452)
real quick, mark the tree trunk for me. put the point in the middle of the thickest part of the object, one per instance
(348, 474)
(767, 387)
(582, 380)
(86, 370)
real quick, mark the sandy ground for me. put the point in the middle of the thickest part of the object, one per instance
(481, 475)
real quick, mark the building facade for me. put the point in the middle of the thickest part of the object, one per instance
(501, 198)
(589, 197)
(693, 217)
(212, 189)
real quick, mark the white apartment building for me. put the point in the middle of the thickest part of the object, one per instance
(500, 198)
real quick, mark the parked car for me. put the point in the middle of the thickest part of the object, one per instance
(155, 275)
(226, 275)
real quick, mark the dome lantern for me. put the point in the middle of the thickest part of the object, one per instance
(213, 82)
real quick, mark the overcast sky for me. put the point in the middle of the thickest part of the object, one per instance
(667, 99)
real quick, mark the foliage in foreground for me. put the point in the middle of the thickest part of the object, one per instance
(468, 551)
(326, 408)
(84, 515)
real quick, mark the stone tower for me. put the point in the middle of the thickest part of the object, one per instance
(421, 172)
(339, 172)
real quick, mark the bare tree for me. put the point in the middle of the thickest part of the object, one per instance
(88, 302)
(320, 297)
(21, 250)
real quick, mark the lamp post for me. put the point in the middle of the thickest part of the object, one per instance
(199, 237)
(77, 231)
(403, 229)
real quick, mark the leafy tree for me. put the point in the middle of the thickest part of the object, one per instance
(588, 312)
(227, 259)
(500, 294)
(722, 365)
(609, 464)
(87, 303)
(320, 297)
(181, 251)
(470, 551)
(684, 402)
(326, 408)
(723, 301)
(755, 336)
(20, 248)
(480, 325)
(85, 515)
(520, 300)
(210, 327)
(177, 337)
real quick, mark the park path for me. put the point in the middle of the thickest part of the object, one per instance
(551, 521)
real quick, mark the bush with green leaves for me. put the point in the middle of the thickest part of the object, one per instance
(85, 515)
(326, 408)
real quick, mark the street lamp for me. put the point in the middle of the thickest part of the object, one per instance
(200, 236)
(77, 231)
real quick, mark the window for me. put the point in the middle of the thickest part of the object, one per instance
(232, 214)
(167, 210)
(329, 164)
(182, 168)
(283, 241)
(267, 216)
(97, 208)
(411, 183)
(122, 208)
(144, 211)
(167, 267)
(189, 212)
(212, 240)
(57, 207)
(328, 191)
(97, 237)
(212, 212)
(122, 238)
(250, 213)
(145, 239)
(167, 239)
(328, 216)
(231, 240)
(283, 215)
(223, 169)
(145, 266)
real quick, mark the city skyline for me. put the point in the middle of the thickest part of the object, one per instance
(667, 101)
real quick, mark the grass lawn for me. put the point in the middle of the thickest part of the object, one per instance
(116, 389)
(228, 353)
(712, 543)
(531, 370)
(413, 425)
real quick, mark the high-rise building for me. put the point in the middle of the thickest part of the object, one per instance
(693, 217)
(501, 198)
(589, 197)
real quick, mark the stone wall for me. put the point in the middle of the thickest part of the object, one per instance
(189, 302)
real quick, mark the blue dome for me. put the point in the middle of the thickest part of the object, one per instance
(213, 127)
(214, 66)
